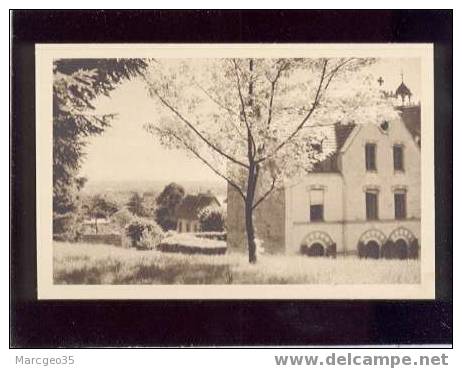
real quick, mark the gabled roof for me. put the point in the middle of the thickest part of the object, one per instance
(335, 137)
(191, 205)
(411, 118)
(342, 132)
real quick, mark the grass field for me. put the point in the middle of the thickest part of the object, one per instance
(79, 263)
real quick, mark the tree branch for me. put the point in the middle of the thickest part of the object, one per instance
(241, 98)
(215, 100)
(199, 134)
(220, 105)
(302, 123)
(267, 193)
(273, 89)
(270, 108)
(210, 166)
(332, 73)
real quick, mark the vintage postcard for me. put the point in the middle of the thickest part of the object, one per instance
(256, 171)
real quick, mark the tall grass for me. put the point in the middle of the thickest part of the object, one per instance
(79, 263)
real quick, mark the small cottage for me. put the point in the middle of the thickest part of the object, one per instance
(189, 209)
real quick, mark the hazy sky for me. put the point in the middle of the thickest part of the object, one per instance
(125, 151)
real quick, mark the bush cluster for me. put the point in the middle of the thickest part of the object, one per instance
(144, 233)
(67, 227)
(212, 219)
(213, 235)
(123, 217)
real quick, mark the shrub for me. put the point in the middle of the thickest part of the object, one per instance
(212, 219)
(313, 250)
(304, 249)
(388, 249)
(165, 217)
(100, 207)
(151, 237)
(122, 218)
(134, 230)
(372, 249)
(331, 250)
(414, 249)
(144, 234)
(361, 250)
(136, 205)
(213, 235)
(67, 227)
(400, 249)
(166, 204)
(62, 223)
(189, 244)
(369, 250)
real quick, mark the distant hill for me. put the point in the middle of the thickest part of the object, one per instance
(155, 187)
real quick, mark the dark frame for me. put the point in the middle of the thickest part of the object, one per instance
(40, 324)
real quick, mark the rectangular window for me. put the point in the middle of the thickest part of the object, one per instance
(398, 158)
(400, 205)
(372, 208)
(316, 205)
(371, 149)
(316, 212)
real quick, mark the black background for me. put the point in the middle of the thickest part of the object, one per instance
(202, 323)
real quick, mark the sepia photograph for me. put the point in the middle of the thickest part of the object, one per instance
(285, 171)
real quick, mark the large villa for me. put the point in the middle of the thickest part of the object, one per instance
(363, 199)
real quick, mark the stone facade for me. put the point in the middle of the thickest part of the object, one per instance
(269, 222)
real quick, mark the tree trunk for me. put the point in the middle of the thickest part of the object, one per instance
(251, 181)
(250, 231)
(249, 199)
(96, 225)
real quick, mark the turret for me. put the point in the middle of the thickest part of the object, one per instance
(403, 91)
